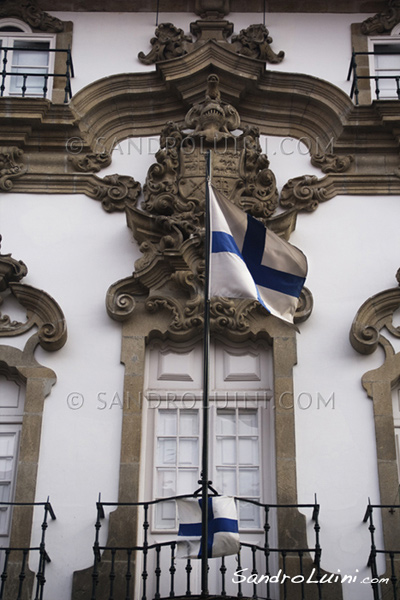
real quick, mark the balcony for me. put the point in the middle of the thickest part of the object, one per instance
(263, 570)
(376, 72)
(16, 579)
(33, 74)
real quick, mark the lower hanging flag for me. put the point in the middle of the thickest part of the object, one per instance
(223, 529)
(250, 261)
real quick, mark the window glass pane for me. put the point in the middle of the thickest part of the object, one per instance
(165, 515)
(188, 481)
(31, 54)
(166, 483)
(226, 481)
(226, 422)
(166, 451)
(188, 451)
(249, 515)
(189, 422)
(248, 423)
(226, 451)
(249, 483)
(167, 422)
(248, 451)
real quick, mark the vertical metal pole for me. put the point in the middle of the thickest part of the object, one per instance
(158, 7)
(264, 14)
(206, 354)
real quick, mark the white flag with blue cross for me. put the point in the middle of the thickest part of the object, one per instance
(222, 527)
(250, 261)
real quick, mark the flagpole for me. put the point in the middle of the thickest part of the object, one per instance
(206, 355)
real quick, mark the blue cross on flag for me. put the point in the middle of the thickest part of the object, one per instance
(250, 261)
(223, 529)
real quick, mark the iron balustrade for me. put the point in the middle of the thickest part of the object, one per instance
(385, 586)
(116, 567)
(13, 580)
(67, 74)
(355, 91)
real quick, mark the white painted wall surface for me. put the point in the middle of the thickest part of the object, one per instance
(108, 43)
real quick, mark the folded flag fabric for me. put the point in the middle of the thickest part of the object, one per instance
(250, 261)
(223, 529)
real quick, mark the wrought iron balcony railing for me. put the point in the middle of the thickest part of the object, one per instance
(385, 586)
(15, 573)
(378, 79)
(151, 571)
(20, 78)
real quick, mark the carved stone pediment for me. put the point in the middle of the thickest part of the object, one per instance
(169, 222)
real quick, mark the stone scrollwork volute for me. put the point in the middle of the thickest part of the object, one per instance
(332, 163)
(169, 223)
(384, 21)
(10, 166)
(43, 312)
(303, 193)
(115, 192)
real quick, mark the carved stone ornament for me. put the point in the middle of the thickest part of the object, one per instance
(30, 13)
(169, 225)
(332, 163)
(208, 9)
(373, 316)
(303, 193)
(115, 192)
(384, 21)
(255, 42)
(9, 167)
(91, 163)
(42, 311)
(169, 42)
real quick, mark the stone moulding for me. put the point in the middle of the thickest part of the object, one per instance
(375, 315)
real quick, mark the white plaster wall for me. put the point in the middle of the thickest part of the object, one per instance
(108, 43)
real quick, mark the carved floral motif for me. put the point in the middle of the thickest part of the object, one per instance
(30, 13)
(255, 42)
(169, 42)
(9, 168)
(383, 21)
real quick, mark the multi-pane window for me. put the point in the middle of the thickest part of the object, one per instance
(26, 62)
(234, 458)
(237, 459)
(176, 460)
(385, 68)
(9, 439)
